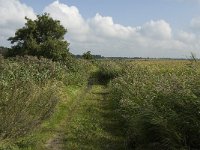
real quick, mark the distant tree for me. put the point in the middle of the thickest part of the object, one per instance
(41, 37)
(87, 55)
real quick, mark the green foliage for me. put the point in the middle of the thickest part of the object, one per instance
(41, 37)
(87, 55)
(30, 90)
(108, 70)
(22, 110)
(156, 102)
(160, 103)
(94, 125)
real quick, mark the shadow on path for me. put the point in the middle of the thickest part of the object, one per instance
(95, 124)
(92, 123)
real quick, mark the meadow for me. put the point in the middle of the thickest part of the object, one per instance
(159, 102)
(99, 104)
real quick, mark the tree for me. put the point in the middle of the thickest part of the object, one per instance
(87, 55)
(41, 37)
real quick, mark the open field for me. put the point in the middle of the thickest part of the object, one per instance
(100, 75)
(99, 104)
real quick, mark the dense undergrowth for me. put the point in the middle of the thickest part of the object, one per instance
(30, 89)
(107, 70)
(160, 104)
(157, 102)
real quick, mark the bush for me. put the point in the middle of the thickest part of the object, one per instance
(24, 106)
(107, 70)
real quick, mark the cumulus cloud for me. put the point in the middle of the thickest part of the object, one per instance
(105, 26)
(69, 16)
(12, 14)
(157, 29)
(101, 35)
(186, 37)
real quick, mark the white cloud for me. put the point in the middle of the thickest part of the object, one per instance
(157, 29)
(12, 14)
(102, 35)
(70, 18)
(104, 26)
(186, 37)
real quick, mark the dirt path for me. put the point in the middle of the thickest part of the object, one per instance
(57, 142)
(91, 124)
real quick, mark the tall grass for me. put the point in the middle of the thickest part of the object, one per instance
(29, 91)
(24, 106)
(160, 102)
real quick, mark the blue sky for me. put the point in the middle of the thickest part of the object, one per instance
(131, 12)
(132, 28)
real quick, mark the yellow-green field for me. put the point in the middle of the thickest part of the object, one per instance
(160, 103)
(99, 104)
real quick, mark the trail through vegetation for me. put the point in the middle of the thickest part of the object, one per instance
(99, 105)
(54, 101)
(92, 123)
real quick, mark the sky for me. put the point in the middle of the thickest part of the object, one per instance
(126, 28)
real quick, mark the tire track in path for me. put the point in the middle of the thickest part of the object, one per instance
(91, 124)
(57, 141)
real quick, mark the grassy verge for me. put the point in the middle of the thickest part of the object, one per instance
(37, 138)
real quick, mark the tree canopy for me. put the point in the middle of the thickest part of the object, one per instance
(41, 37)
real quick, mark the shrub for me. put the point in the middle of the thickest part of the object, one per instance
(108, 70)
(23, 106)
